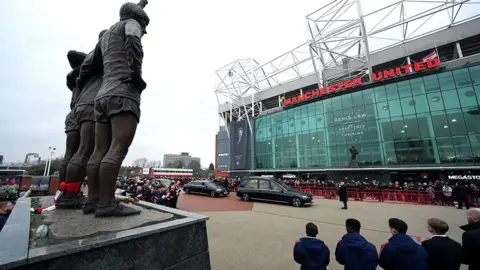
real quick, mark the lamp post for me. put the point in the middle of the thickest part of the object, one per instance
(49, 161)
(45, 170)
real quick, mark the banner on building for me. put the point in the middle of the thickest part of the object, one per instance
(432, 55)
(238, 145)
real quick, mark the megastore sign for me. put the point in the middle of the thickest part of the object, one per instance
(464, 177)
(355, 82)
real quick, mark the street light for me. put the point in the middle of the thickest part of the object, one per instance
(49, 161)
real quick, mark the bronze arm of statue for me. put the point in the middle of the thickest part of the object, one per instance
(133, 46)
(75, 59)
(91, 65)
(134, 30)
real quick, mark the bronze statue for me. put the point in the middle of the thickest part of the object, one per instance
(84, 116)
(117, 106)
(353, 157)
(71, 126)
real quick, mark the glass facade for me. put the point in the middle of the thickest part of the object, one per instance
(430, 120)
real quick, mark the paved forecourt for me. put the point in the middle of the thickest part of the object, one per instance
(263, 237)
(203, 203)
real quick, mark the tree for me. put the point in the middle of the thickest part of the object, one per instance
(154, 164)
(40, 168)
(36, 169)
(194, 165)
(197, 169)
(211, 167)
(140, 162)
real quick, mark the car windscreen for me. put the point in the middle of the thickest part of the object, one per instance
(166, 182)
(212, 185)
(284, 185)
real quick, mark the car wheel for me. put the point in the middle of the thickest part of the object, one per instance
(187, 191)
(212, 194)
(245, 197)
(296, 202)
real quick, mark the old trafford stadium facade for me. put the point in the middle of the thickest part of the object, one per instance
(400, 84)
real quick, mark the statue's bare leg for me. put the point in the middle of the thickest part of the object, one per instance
(76, 169)
(123, 127)
(72, 143)
(103, 138)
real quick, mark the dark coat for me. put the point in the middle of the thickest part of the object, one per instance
(471, 245)
(443, 253)
(3, 220)
(311, 253)
(402, 253)
(460, 192)
(226, 184)
(356, 253)
(342, 193)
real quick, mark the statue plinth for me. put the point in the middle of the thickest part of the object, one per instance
(353, 164)
(158, 238)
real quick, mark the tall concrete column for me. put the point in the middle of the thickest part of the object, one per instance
(274, 161)
(434, 142)
(297, 150)
(459, 49)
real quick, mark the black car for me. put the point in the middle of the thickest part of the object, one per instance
(269, 189)
(165, 182)
(205, 187)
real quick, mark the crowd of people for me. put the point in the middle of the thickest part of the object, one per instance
(407, 185)
(151, 191)
(464, 193)
(400, 252)
(5, 208)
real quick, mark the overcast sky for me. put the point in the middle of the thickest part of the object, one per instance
(187, 41)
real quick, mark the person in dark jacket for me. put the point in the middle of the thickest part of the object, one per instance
(443, 252)
(460, 193)
(5, 209)
(310, 252)
(342, 193)
(172, 195)
(354, 251)
(401, 252)
(226, 185)
(471, 239)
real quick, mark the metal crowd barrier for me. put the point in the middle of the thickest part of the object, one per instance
(387, 195)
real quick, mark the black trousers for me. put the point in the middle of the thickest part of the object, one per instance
(173, 202)
(463, 201)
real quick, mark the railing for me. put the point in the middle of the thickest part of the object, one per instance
(387, 195)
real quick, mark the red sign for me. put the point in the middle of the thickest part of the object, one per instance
(378, 76)
(406, 69)
(323, 91)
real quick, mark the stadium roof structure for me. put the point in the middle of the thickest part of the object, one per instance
(346, 39)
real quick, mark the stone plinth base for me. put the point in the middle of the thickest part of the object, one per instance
(177, 240)
(353, 164)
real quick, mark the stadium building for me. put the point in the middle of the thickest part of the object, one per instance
(400, 82)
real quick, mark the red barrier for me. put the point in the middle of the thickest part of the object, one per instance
(371, 195)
